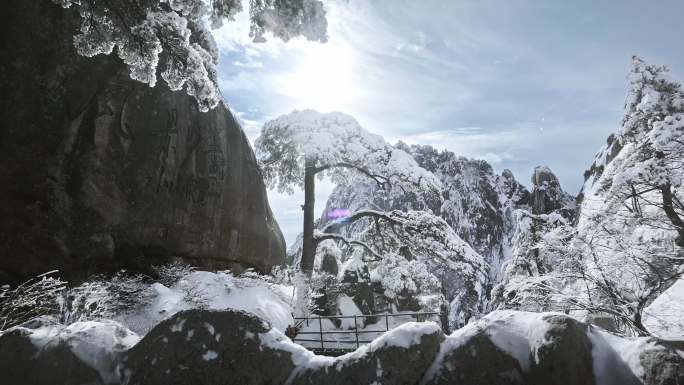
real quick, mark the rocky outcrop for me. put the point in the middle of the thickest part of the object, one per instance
(208, 347)
(100, 172)
(565, 357)
(233, 347)
(463, 362)
(604, 156)
(43, 352)
(530, 348)
(662, 366)
(547, 195)
(57, 365)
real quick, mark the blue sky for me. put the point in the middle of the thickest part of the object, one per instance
(518, 83)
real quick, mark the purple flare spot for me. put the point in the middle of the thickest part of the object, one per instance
(338, 213)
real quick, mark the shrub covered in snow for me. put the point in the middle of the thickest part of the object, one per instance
(36, 297)
(139, 303)
(106, 298)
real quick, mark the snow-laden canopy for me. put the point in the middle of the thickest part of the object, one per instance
(652, 128)
(430, 251)
(340, 148)
(175, 35)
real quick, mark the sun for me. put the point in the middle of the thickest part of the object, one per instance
(324, 78)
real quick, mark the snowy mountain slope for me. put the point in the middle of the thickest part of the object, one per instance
(477, 203)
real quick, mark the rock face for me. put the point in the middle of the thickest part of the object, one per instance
(43, 352)
(207, 347)
(463, 363)
(547, 195)
(529, 348)
(233, 347)
(57, 365)
(662, 367)
(566, 358)
(100, 172)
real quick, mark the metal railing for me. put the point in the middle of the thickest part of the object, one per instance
(300, 322)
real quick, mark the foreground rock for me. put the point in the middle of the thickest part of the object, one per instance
(662, 365)
(42, 352)
(100, 172)
(234, 347)
(209, 347)
(507, 347)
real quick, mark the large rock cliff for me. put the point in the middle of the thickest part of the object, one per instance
(100, 172)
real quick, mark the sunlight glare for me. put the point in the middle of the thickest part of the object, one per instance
(324, 79)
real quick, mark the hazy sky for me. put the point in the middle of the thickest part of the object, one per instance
(518, 83)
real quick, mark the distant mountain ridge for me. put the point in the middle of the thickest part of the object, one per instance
(476, 202)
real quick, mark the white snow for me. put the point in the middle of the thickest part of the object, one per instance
(209, 355)
(93, 342)
(518, 333)
(664, 318)
(606, 347)
(332, 139)
(218, 291)
(347, 307)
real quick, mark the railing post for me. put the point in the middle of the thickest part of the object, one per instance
(386, 322)
(320, 328)
(356, 331)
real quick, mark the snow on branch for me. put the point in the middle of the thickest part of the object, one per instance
(342, 150)
(175, 35)
(320, 237)
(36, 297)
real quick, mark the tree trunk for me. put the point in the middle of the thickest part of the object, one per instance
(308, 243)
(638, 324)
(677, 222)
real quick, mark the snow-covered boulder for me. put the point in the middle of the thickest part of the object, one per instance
(42, 351)
(398, 357)
(210, 347)
(462, 356)
(509, 347)
(517, 348)
(662, 365)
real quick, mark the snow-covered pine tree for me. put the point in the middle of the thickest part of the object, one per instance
(174, 34)
(649, 183)
(296, 148)
(432, 262)
(631, 228)
(626, 247)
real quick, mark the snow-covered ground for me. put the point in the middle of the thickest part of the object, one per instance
(221, 290)
(96, 343)
(665, 316)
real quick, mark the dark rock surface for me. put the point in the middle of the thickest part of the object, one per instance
(207, 347)
(547, 195)
(463, 365)
(20, 363)
(233, 347)
(100, 172)
(662, 367)
(42, 352)
(566, 358)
